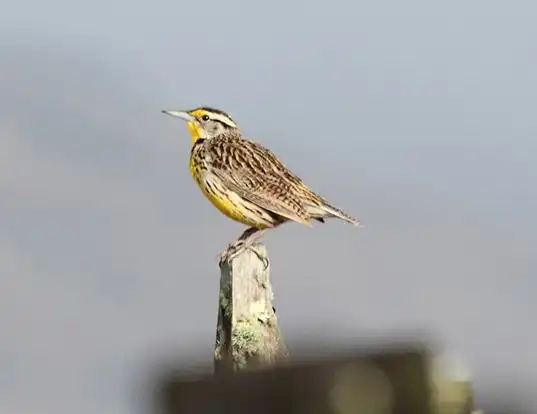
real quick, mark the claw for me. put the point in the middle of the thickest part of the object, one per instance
(234, 250)
(230, 253)
(223, 254)
(261, 257)
(246, 241)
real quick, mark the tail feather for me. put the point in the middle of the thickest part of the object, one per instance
(336, 212)
(325, 210)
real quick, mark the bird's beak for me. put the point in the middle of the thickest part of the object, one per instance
(180, 114)
(192, 123)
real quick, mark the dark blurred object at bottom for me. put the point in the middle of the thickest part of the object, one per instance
(383, 382)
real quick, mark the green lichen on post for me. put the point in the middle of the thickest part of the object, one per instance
(246, 340)
(247, 332)
(217, 353)
(225, 299)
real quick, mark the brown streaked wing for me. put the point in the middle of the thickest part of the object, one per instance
(256, 175)
(302, 190)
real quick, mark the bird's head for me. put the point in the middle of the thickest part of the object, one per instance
(205, 122)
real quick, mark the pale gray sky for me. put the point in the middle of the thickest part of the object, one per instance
(418, 117)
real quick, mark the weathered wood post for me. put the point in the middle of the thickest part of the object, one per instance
(247, 332)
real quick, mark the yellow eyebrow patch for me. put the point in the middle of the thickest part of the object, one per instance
(198, 112)
(214, 114)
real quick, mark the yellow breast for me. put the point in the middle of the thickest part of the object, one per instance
(228, 203)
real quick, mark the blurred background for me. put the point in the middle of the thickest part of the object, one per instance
(417, 117)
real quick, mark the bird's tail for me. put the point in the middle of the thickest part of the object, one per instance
(326, 210)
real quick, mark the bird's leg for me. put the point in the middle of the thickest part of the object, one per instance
(251, 246)
(245, 241)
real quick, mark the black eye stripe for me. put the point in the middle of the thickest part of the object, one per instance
(206, 117)
(222, 123)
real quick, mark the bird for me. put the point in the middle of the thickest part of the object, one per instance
(246, 181)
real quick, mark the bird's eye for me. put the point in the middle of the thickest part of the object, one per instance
(205, 117)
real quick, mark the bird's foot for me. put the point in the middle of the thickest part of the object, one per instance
(234, 249)
(264, 259)
(229, 254)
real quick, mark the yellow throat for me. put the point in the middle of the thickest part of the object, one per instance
(195, 130)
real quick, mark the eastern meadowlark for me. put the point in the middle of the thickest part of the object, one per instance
(246, 181)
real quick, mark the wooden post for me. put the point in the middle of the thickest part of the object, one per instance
(247, 333)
